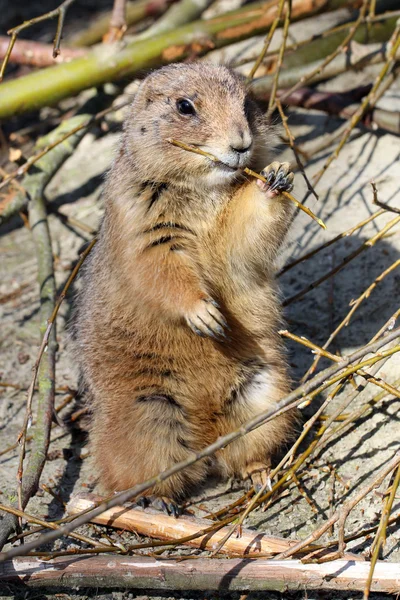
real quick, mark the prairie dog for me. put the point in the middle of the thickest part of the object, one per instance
(177, 321)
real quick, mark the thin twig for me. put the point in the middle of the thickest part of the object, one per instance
(291, 140)
(285, 31)
(381, 533)
(364, 246)
(382, 204)
(49, 525)
(367, 103)
(320, 382)
(341, 48)
(341, 514)
(267, 42)
(57, 12)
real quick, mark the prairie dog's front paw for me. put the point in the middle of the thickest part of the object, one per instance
(206, 320)
(279, 179)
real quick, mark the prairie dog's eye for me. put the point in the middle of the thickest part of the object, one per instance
(185, 107)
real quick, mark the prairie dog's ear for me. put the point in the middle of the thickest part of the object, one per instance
(146, 92)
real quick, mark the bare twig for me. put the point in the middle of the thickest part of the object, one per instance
(342, 513)
(381, 533)
(382, 204)
(271, 104)
(268, 40)
(58, 12)
(303, 80)
(291, 139)
(368, 102)
(364, 246)
(49, 525)
(37, 54)
(320, 382)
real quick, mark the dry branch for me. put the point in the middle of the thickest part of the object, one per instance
(118, 24)
(197, 574)
(158, 525)
(178, 14)
(58, 12)
(364, 246)
(357, 56)
(28, 479)
(135, 12)
(320, 382)
(37, 54)
(108, 63)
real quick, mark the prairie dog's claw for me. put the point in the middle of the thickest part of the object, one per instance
(206, 320)
(259, 475)
(279, 179)
(161, 503)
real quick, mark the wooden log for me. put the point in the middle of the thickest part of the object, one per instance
(198, 574)
(158, 525)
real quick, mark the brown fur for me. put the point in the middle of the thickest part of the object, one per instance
(178, 231)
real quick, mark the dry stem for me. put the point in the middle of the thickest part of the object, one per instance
(285, 31)
(368, 102)
(268, 40)
(364, 246)
(342, 513)
(341, 48)
(58, 12)
(381, 533)
(320, 382)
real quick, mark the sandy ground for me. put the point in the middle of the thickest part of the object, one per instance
(345, 200)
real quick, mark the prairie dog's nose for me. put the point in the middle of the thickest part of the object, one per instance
(241, 142)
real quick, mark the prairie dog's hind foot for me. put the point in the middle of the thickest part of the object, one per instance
(257, 474)
(279, 179)
(161, 503)
(206, 320)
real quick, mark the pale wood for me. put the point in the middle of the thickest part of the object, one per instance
(201, 574)
(158, 525)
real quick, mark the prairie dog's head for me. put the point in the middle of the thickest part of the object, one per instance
(199, 104)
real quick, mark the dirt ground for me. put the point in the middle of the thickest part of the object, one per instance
(345, 199)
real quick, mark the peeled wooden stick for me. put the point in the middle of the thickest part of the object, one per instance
(158, 525)
(133, 572)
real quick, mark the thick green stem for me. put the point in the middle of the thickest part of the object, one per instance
(46, 374)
